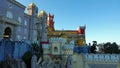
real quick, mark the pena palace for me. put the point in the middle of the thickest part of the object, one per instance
(77, 35)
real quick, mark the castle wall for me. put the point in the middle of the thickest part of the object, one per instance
(16, 11)
(78, 61)
(96, 60)
(8, 5)
(23, 25)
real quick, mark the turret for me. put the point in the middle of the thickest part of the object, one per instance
(50, 22)
(56, 45)
(81, 29)
(68, 48)
(42, 16)
(32, 9)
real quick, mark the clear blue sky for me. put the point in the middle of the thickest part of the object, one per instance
(102, 17)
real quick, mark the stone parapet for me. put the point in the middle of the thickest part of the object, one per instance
(68, 46)
(63, 40)
(45, 46)
(102, 57)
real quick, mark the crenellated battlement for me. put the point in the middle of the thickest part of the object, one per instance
(102, 57)
(68, 46)
(63, 40)
(45, 46)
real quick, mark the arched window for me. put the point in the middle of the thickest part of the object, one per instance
(19, 19)
(9, 14)
(7, 33)
(55, 49)
(25, 23)
(18, 37)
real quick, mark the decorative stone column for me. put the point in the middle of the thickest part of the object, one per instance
(23, 64)
(34, 61)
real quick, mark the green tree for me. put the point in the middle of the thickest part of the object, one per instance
(111, 48)
(95, 43)
(27, 58)
(93, 47)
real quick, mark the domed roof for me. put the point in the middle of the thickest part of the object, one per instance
(31, 5)
(42, 13)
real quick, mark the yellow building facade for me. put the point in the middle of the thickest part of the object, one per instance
(78, 35)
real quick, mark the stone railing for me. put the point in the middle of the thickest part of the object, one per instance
(102, 57)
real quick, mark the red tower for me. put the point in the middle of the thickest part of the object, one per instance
(50, 21)
(81, 30)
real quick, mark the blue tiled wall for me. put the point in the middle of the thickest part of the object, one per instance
(82, 49)
(15, 49)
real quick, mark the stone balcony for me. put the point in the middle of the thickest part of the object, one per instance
(9, 21)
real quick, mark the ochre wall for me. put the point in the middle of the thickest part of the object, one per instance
(80, 40)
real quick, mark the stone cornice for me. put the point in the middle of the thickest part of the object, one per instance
(17, 3)
(26, 15)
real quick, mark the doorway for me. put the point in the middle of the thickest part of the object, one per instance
(7, 33)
